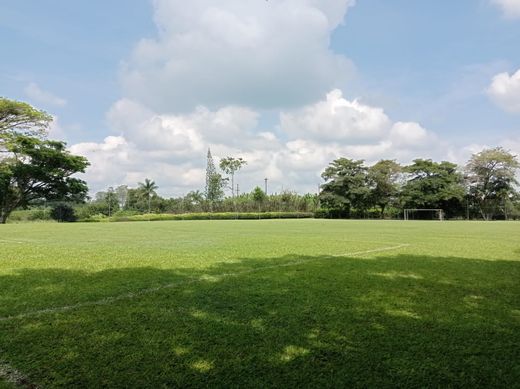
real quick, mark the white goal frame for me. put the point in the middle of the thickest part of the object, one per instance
(410, 211)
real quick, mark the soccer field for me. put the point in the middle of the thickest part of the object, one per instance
(270, 303)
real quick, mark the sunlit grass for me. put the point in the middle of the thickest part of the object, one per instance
(444, 311)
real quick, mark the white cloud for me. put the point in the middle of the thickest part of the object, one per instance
(171, 148)
(510, 8)
(505, 91)
(261, 54)
(411, 134)
(38, 95)
(337, 119)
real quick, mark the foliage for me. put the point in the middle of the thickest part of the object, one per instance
(214, 181)
(148, 188)
(105, 202)
(121, 193)
(63, 213)
(230, 166)
(244, 303)
(383, 179)
(346, 186)
(258, 195)
(490, 176)
(433, 185)
(38, 169)
(212, 216)
(19, 118)
(30, 215)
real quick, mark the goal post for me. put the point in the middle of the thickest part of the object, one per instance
(424, 214)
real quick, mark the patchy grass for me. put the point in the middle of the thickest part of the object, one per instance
(262, 303)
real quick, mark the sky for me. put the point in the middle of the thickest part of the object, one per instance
(143, 88)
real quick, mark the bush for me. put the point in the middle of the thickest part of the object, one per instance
(63, 213)
(213, 216)
(29, 215)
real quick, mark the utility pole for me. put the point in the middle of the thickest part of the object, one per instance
(265, 179)
(238, 192)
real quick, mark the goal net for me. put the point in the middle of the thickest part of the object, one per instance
(423, 214)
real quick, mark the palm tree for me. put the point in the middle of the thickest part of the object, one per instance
(148, 188)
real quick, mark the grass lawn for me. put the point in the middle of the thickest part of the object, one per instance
(270, 303)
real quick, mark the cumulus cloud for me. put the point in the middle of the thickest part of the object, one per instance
(510, 8)
(335, 119)
(230, 52)
(38, 95)
(170, 148)
(505, 91)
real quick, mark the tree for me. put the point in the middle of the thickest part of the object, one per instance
(105, 202)
(490, 177)
(433, 185)
(18, 118)
(259, 196)
(214, 181)
(148, 188)
(193, 201)
(346, 186)
(35, 169)
(121, 193)
(230, 166)
(383, 178)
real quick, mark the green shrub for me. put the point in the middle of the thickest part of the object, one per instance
(29, 215)
(211, 216)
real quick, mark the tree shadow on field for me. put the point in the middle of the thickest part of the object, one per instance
(403, 320)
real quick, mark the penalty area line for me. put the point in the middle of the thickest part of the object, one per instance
(202, 278)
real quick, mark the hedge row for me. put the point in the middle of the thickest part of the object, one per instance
(204, 216)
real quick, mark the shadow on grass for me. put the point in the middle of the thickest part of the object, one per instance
(403, 320)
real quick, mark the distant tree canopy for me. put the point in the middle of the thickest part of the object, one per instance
(383, 178)
(353, 189)
(214, 181)
(230, 165)
(433, 185)
(490, 175)
(32, 167)
(346, 186)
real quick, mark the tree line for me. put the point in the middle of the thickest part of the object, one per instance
(484, 188)
(37, 172)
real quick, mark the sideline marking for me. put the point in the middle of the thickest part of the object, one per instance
(204, 277)
(13, 376)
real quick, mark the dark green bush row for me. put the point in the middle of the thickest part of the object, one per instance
(203, 216)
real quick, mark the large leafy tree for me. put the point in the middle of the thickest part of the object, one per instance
(383, 178)
(346, 186)
(490, 176)
(433, 185)
(37, 168)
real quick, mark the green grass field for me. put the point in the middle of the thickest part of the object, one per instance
(290, 303)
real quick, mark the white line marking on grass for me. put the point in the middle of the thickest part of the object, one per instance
(11, 241)
(204, 277)
(13, 376)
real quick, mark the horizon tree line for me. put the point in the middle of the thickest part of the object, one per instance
(35, 170)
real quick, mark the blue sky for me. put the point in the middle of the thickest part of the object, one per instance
(144, 87)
